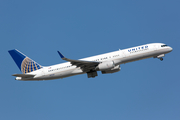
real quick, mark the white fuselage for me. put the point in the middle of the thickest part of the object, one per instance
(118, 57)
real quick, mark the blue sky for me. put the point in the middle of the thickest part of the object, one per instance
(143, 90)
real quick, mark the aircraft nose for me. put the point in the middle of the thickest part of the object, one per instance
(170, 49)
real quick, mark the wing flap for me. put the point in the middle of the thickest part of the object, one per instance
(85, 65)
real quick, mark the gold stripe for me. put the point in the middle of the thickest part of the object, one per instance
(24, 67)
(30, 66)
(33, 65)
(27, 67)
(36, 66)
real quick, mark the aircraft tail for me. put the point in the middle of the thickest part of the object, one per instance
(24, 63)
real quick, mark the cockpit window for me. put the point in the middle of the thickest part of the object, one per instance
(163, 45)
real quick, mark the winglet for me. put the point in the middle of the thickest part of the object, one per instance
(61, 55)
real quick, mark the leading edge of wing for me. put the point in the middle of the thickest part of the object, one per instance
(78, 62)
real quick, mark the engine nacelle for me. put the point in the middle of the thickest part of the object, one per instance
(106, 65)
(113, 70)
(160, 56)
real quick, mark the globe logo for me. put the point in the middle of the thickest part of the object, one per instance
(29, 65)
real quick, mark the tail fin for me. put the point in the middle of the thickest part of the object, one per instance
(24, 63)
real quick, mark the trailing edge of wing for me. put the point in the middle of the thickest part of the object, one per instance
(24, 75)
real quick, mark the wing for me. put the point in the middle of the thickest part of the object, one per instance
(24, 75)
(85, 65)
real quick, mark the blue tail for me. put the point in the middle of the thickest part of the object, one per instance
(24, 63)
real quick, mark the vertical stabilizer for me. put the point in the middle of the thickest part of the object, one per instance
(24, 63)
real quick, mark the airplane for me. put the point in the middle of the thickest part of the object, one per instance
(106, 63)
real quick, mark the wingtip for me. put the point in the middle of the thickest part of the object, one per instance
(61, 55)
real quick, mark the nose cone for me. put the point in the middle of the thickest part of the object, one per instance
(170, 49)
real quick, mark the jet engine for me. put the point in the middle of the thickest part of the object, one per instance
(113, 70)
(106, 65)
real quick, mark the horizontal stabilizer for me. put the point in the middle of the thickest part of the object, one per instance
(24, 75)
